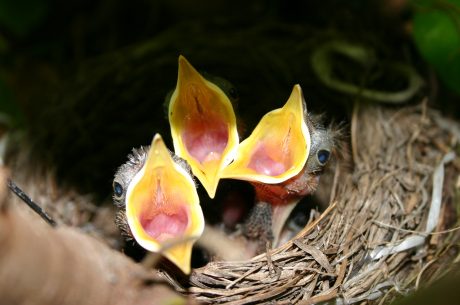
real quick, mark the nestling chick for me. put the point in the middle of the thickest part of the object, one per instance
(275, 202)
(159, 205)
(283, 159)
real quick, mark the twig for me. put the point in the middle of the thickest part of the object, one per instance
(419, 276)
(415, 231)
(34, 206)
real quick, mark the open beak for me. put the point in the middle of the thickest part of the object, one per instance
(278, 147)
(162, 207)
(203, 125)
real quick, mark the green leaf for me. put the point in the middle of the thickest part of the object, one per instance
(437, 37)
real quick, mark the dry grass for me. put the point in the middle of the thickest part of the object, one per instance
(373, 242)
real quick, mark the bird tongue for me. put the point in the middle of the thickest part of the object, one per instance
(206, 140)
(163, 226)
(262, 163)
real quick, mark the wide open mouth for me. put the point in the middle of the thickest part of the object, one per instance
(205, 138)
(264, 163)
(162, 202)
(164, 225)
(203, 125)
(278, 147)
(272, 156)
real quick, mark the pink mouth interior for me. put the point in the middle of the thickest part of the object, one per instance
(162, 226)
(263, 164)
(206, 139)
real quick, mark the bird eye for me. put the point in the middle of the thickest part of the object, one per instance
(323, 156)
(117, 189)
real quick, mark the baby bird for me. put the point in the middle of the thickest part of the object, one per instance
(158, 201)
(275, 202)
(283, 159)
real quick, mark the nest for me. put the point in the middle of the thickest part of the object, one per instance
(383, 233)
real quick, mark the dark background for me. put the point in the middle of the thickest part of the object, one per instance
(86, 80)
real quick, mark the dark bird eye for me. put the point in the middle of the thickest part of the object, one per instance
(323, 156)
(117, 189)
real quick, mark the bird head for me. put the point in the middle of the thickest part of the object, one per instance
(203, 125)
(285, 196)
(278, 147)
(306, 181)
(283, 158)
(159, 201)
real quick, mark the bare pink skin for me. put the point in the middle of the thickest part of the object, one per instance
(162, 226)
(205, 140)
(263, 164)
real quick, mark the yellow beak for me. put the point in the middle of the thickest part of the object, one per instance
(278, 147)
(162, 207)
(203, 125)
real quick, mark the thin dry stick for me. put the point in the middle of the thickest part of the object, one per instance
(27, 200)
